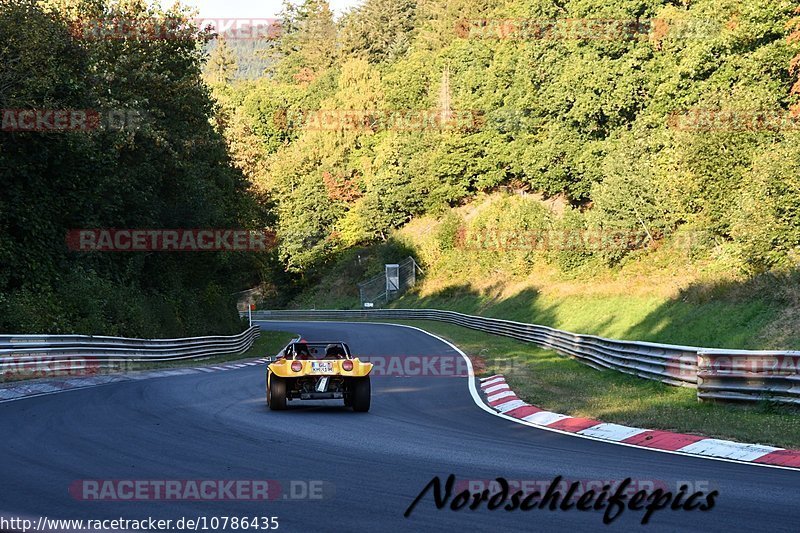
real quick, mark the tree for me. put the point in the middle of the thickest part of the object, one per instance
(165, 167)
(379, 30)
(307, 43)
(221, 66)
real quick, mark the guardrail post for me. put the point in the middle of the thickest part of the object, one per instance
(702, 363)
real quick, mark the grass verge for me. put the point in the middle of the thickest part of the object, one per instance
(563, 385)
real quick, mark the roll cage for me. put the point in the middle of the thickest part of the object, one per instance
(301, 350)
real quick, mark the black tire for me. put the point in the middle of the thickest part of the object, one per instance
(276, 393)
(360, 394)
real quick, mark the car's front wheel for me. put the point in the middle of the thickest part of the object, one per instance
(276, 393)
(360, 394)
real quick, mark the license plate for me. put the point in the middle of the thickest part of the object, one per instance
(321, 367)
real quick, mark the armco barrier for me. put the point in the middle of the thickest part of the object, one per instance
(748, 375)
(675, 365)
(752, 375)
(25, 355)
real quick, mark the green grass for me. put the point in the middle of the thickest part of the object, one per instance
(548, 380)
(711, 324)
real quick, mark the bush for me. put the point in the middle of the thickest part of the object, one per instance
(509, 231)
(84, 303)
(449, 231)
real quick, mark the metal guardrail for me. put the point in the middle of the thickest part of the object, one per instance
(675, 365)
(748, 375)
(23, 355)
(716, 374)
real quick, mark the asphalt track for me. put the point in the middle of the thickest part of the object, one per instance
(216, 426)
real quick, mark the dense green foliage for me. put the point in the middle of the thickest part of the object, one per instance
(169, 169)
(324, 143)
(593, 121)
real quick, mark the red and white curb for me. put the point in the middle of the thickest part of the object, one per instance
(500, 397)
(20, 390)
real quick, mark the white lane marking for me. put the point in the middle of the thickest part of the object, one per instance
(545, 418)
(508, 406)
(728, 449)
(614, 432)
(26, 396)
(495, 381)
(183, 371)
(500, 395)
(40, 387)
(35, 390)
(496, 388)
(476, 397)
(9, 393)
(140, 376)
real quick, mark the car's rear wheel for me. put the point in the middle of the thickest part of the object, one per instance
(360, 394)
(276, 393)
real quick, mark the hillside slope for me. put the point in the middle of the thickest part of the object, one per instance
(678, 289)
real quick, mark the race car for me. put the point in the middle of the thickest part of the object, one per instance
(318, 371)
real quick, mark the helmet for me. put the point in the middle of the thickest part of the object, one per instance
(334, 350)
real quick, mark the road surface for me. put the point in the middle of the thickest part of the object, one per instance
(371, 466)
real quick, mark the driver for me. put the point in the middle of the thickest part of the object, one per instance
(334, 351)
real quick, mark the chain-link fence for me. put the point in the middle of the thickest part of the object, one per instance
(395, 280)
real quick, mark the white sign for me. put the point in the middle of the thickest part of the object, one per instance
(392, 278)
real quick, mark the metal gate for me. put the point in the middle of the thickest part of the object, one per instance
(395, 280)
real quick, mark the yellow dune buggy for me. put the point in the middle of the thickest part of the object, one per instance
(318, 371)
